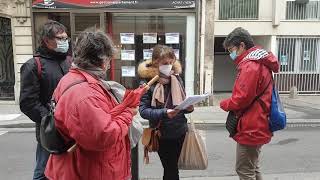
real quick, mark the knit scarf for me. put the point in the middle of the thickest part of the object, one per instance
(117, 91)
(177, 91)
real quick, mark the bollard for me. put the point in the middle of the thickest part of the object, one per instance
(293, 92)
(135, 162)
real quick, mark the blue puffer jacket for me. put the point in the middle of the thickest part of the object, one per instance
(170, 128)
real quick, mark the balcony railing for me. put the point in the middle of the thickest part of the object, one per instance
(238, 9)
(303, 10)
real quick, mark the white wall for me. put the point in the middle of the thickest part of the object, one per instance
(264, 25)
(190, 55)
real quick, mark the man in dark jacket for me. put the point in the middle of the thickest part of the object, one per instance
(254, 79)
(40, 78)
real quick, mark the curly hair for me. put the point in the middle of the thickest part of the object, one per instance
(237, 36)
(92, 47)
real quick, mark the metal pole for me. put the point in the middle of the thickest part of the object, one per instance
(135, 162)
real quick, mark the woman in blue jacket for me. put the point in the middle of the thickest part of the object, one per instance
(157, 106)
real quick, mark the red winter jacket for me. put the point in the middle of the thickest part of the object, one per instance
(84, 113)
(254, 74)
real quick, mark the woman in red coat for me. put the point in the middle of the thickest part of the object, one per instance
(90, 114)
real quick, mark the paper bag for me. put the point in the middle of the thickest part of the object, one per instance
(193, 154)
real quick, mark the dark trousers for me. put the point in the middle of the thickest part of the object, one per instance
(169, 152)
(42, 157)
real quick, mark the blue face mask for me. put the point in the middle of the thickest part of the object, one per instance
(62, 46)
(233, 55)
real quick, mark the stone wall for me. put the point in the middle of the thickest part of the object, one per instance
(19, 13)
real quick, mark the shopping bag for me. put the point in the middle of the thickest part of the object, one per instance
(277, 117)
(135, 132)
(193, 154)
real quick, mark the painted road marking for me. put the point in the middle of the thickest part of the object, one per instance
(7, 117)
(3, 132)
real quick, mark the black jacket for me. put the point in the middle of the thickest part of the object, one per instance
(36, 91)
(169, 128)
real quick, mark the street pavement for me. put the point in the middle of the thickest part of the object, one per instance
(305, 110)
(293, 154)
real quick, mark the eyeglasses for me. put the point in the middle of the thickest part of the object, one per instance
(63, 38)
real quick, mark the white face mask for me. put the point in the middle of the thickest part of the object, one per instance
(165, 69)
(62, 46)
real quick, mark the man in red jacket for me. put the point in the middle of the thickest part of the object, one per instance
(254, 79)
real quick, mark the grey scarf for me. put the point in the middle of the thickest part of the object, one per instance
(115, 89)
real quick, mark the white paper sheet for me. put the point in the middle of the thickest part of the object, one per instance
(192, 100)
(128, 71)
(149, 38)
(128, 55)
(176, 53)
(147, 54)
(172, 38)
(127, 38)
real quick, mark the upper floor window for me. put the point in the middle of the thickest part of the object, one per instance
(238, 9)
(303, 10)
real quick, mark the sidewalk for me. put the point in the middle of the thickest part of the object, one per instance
(289, 176)
(303, 110)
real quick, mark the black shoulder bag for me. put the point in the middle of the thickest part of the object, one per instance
(233, 119)
(50, 138)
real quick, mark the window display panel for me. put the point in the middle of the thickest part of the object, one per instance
(134, 37)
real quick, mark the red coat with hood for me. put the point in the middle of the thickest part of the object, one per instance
(83, 113)
(254, 74)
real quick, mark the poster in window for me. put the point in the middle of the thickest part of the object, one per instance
(127, 38)
(176, 53)
(149, 38)
(128, 55)
(306, 55)
(147, 54)
(284, 60)
(172, 38)
(128, 71)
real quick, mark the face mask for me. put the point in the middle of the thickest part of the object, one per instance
(165, 69)
(233, 55)
(62, 46)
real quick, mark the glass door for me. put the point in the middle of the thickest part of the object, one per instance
(82, 21)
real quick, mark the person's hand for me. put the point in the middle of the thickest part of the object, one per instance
(190, 108)
(223, 105)
(172, 113)
(145, 86)
(134, 111)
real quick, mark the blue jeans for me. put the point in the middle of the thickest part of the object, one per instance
(42, 157)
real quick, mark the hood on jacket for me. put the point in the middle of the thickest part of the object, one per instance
(147, 71)
(256, 53)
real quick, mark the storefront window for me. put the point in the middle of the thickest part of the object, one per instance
(134, 37)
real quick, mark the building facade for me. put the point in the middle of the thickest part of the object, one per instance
(194, 28)
(15, 44)
(135, 27)
(288, 28)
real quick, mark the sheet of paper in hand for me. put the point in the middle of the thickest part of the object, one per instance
(192, 100)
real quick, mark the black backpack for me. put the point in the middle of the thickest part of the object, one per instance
(50, 138)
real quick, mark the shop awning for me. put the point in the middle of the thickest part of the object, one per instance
(114, 4)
